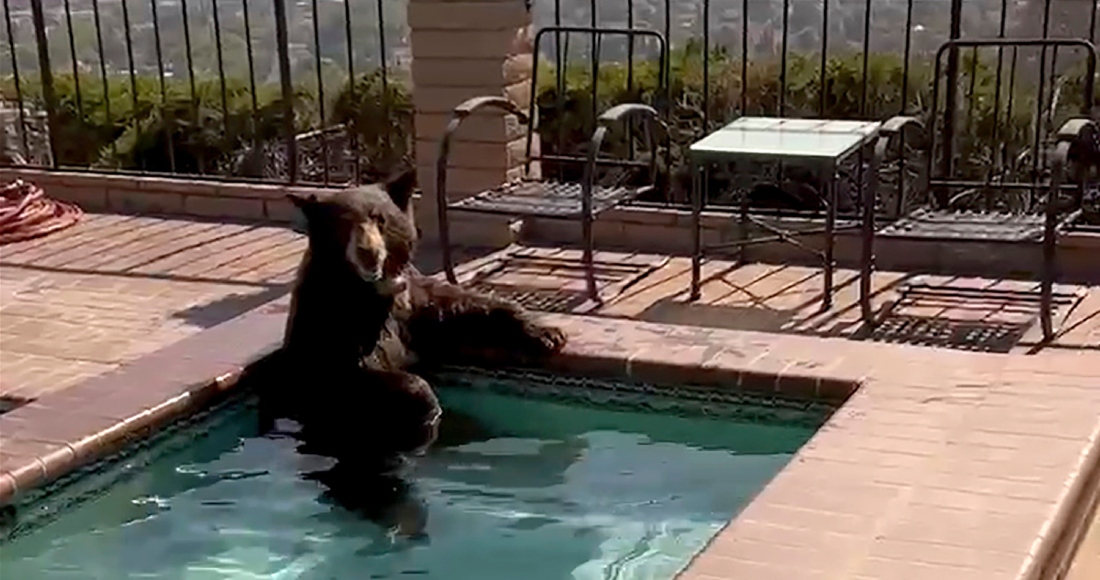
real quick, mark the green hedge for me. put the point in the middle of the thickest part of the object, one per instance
(117, 131)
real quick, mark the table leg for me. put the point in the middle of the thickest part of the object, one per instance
(743, 230)
(830, 237)
(696, 231)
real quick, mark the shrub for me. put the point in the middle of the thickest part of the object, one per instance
(380, 119)
(197, 134)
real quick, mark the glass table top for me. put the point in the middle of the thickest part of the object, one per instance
(776, 137)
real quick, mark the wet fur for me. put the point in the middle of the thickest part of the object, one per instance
(449, 324)
(361, 314)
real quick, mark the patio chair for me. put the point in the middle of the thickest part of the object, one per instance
(1043, 204)
(560, 199)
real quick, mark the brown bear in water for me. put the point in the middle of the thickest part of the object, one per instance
(361, 314)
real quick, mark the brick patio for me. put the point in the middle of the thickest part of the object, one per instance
(785, 299)
(943, 464)
(113, 288)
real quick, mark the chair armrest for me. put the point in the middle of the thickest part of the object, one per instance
(458, 115)
(895, 125)
(463, 111)
(623, 113)
(612, 116)
(472, 105)
(1076, 150)
(1076, 130)
(627, 110)
(891, 130)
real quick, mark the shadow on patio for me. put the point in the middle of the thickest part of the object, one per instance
(977, 314)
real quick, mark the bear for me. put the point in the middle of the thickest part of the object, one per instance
(361, 315)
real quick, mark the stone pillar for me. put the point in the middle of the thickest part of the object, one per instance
(464, 49)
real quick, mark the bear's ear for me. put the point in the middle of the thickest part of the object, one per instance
(400, 187)
(302, 200)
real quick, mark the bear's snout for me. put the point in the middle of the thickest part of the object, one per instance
(367, 251)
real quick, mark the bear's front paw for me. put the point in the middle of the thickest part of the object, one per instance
(548, 339)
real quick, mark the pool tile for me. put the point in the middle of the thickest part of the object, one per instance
(761, 382)
(675, 364)
(118, 435)
(598, 366)
(27, 474)
(7, 486)
(58, 462)
(797, 384)
(834, 390)
(16, 452)
(149, 383)
(136, 427)
(88, 448)
(241, 341)
(52, 421)
(49, 437)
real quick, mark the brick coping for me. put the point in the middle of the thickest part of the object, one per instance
(944, 463)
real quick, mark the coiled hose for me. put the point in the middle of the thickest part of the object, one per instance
(26, 213)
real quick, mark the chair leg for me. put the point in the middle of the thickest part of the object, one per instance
(1050, 241)
(696, 232)
(445, 247)
(1046, 315)
(1046, 298)
(868, 187)
(589, 259)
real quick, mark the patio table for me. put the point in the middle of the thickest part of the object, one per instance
(821, 145)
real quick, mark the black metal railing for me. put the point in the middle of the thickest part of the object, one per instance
(310, 90)
(838, 59)
(248, 89)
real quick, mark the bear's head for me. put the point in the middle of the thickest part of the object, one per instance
(368, 229)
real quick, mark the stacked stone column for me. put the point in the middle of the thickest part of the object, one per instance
(461, 50)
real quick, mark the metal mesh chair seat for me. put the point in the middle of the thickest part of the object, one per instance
(547, 199)
(967, 226)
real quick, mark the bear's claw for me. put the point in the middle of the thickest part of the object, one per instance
(549, 339)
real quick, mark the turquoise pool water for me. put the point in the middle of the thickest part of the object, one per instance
(517, 487)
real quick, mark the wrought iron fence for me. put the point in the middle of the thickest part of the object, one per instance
(248, 89)
(310, 90)
(837, 59)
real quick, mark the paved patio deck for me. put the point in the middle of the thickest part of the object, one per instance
(785, 299)
(113, 288)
